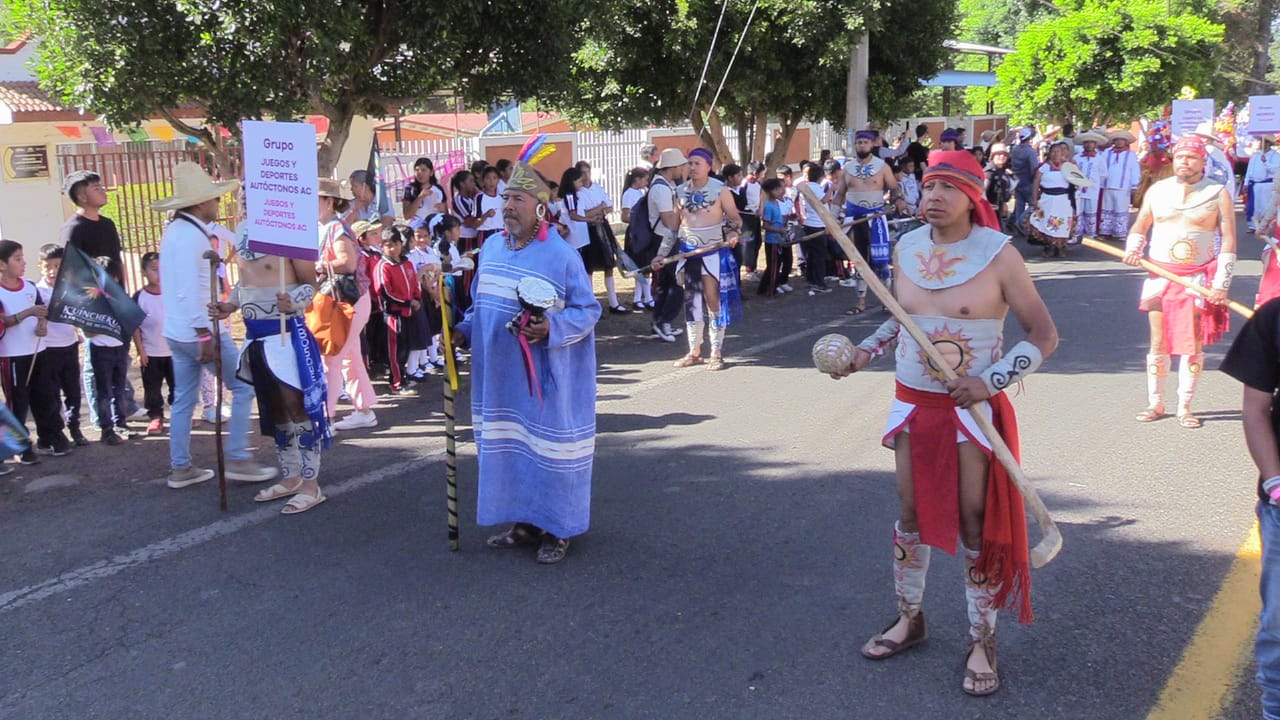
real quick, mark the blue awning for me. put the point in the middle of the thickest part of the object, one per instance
(962, 78)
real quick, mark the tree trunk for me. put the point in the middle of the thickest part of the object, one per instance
(340, 116)
(741, 122)
(1266, 10)
(778, 157)
(207, 138)
(711, 136)
(758, 136)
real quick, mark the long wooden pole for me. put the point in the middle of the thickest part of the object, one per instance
(1161, 272)
(1051, 542)
(214, 261)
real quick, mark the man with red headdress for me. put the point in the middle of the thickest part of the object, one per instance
(958, 277)
(1185, 214)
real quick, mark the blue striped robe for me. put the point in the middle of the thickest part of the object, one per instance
(535, 457)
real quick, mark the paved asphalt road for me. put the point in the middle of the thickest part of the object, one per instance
(739, 552)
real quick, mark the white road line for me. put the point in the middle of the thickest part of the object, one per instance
(631, 391)
(15, 599)
(72, 579)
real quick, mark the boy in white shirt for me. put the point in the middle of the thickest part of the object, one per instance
(58, 364)
(25, 326)
(153, 350)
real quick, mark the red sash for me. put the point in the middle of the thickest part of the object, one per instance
(935, 471)
(1179, 308)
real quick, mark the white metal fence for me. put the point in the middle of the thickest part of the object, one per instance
(611, 154)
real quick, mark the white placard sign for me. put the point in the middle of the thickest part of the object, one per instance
(1187, 114)
(280, 188)
(1264, 114)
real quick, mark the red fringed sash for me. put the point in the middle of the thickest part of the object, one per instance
(935, 469)
(1179, 305)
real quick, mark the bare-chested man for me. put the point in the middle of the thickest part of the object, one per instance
(958, 277)
(1185, 214)
(287, 375)
(707, 215)
(863, 185)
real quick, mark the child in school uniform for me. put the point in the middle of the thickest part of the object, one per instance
(419, 327)
(58, 363)
(25, 327)
(153, 350)
(401, 296)
(773, 224)
(110, 360)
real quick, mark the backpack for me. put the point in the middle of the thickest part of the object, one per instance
(642, 239)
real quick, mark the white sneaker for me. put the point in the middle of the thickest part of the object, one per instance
(357, 420)
(753, 276)
(672, 331)
(786, 287)
(849, 282)
(138, 414)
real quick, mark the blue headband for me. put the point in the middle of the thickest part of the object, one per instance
(865, 135)
(703, 153)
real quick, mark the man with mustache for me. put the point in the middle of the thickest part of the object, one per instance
(863, 186)
(958, 277)
(1185, 214)
(533, 389)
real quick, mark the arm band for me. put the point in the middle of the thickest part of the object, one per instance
(1226, 269)
(301, 297)
(1271, 486)
(1135, 242)
(884, 335)
(1021, 361)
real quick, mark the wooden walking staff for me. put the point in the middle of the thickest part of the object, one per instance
(450, 386)
(1161, 272)
(1051, 542)
(214, 261)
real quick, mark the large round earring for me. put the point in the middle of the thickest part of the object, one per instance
(541, 211)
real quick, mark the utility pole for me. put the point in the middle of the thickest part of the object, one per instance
(855, 103)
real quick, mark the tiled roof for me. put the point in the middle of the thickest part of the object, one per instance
(27, 97)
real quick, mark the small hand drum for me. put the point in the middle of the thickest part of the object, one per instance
(833, 353)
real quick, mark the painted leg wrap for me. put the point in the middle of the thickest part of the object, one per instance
(1188, 378)
(1157, 369)
(978, 594)
(910, 566)
(310, 455)
(287, 450)
(694, 331)
(715, 333)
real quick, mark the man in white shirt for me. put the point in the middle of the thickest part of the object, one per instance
(185, 277)
(664, 212)
(1263, 166)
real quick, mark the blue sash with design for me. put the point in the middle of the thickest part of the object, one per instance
(730, 294)
(310, 372)
(879, 230)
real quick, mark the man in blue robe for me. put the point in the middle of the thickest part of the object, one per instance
(533, 390)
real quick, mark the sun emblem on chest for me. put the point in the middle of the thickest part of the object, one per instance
(954, 347)
(937, 265)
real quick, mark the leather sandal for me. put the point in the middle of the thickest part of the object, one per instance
(916, 634)
(520, 535)
(988, 644)
(1189, 421)
(688, 360)
(715, 363)
(1150, 414)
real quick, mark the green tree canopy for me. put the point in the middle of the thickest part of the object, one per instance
(643, 62)
(128, 60)
(1101, 60)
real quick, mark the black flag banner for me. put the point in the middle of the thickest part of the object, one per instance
(86, 296)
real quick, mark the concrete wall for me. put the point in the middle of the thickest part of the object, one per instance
(32, 211)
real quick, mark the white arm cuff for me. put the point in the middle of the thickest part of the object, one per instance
(1135, 243)
(881, 338)
(1021, 361)
(1226, 269)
